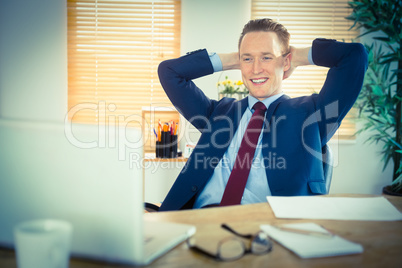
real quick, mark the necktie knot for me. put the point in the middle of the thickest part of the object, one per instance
(259, 106)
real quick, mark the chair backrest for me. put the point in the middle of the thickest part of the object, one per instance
(328, 162)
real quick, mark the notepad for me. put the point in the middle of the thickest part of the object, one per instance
(334, 208)
(308, 246)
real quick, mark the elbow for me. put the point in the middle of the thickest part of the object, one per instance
(165, 72)
(162, 69)
(360, 54)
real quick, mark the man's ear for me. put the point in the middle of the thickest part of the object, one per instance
(287, 62)
(287, 66)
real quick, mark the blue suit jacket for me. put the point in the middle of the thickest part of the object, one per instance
(295, 129)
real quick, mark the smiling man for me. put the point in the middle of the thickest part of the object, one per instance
(267, 143)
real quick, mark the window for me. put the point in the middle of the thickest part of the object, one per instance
(114, 49)
(305, 21)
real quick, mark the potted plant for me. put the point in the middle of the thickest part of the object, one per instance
(380, 101)
(229, 88)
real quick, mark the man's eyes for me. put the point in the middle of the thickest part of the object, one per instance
(265, 58)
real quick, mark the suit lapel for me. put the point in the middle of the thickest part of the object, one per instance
(272, 107)
(231, 124)
(267, 138)
(238, 112)
(268, 122)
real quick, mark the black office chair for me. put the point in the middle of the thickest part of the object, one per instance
(149, 207)
(328, 163)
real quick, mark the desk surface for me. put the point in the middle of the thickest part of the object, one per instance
(382, 241)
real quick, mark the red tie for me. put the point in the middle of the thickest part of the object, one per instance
(241, 169)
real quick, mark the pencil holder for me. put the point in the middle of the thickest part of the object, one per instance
(158, 149)
(165, 144)
(173, 146)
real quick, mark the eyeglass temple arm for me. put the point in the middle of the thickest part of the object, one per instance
(228, 228)
(200, 250)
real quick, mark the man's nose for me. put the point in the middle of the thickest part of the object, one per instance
(257, 67)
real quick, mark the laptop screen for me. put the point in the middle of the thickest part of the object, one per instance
(88, 175)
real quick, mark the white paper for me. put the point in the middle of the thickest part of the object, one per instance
(334, 208)
(306, 246)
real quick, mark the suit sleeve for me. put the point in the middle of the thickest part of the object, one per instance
(175, 76)
(348, 64)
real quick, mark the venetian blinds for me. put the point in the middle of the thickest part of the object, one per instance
(305, 21)
(114, 49)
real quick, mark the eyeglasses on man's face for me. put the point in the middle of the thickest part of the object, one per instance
(232, 248)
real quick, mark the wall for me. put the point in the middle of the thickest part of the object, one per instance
(35, 143)
(33, 78)
(33, 53)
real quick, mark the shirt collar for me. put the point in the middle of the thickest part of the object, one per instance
(252, 100)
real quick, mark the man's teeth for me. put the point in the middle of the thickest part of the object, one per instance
(259, 81)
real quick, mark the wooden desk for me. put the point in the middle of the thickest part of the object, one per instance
(382, 241)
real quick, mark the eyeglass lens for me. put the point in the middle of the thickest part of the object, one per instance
(231, 249)
(261, 243)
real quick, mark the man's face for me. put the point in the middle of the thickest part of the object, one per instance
(262, 64)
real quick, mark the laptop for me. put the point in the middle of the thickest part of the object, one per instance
(45, 175)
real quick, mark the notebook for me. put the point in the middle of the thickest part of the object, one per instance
(334, 208)
(308, 246)
(105, 209)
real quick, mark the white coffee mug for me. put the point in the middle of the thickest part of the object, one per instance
(43, 243)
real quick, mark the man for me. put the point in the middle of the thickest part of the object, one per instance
(286, 159)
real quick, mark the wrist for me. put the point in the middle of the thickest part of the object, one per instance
(300, 56)
(230, 61)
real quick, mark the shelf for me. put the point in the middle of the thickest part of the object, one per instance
(154, 159)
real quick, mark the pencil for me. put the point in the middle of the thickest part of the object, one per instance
(159, 131)
(156, 135)
(172, 131)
